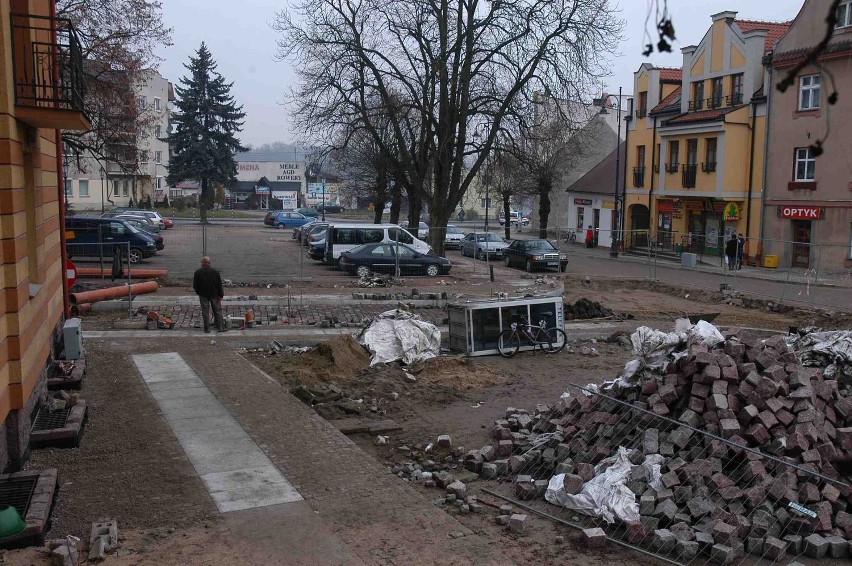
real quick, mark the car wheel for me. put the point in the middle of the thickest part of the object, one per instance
(480, 255)
(529, 266)
(432, 270)
(280, 226)
(363, 271)
(506, 261)
(135, 255)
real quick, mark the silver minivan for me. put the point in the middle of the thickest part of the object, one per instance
(342, 237)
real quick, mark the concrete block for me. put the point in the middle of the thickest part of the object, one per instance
(815, 546)
(663, 541)
(774, 549)
(518, 523)
(572, 484)
(594, 538)
(837, 546)
(457, 488)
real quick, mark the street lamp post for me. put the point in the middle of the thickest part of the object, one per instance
(103, 198)
(613, 249)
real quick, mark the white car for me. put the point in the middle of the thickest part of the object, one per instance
(154, 216)
(454, 237)
(422, 229)
(515, 218)
(483, 244)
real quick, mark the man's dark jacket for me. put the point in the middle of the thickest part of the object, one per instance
(208, 283)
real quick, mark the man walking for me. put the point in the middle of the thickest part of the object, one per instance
(731, 252)
(208, 286)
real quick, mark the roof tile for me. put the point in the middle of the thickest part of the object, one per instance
(704, 116)
(672, 97)
(776, 30)
(670, 73)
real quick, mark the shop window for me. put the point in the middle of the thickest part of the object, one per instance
(580, 217)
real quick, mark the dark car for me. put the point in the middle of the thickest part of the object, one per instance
(96, 237)
(329, 207)
(381, 258)
(151, 230)
(533, 254)
(307, 211)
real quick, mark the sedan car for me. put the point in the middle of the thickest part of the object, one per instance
(533, 254)
(454, 237)
(329, 207)
(289, 219)
(381, 258)
(151, 230)
(482, 244)
(307, 211)
(422, 229)
(143, 222)
(299, 231)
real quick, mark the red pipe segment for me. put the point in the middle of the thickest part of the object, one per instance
(114, 292)
(135, 273)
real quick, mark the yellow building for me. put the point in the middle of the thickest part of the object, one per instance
(696, 141)
(41, 93)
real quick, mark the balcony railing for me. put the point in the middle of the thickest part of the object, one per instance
(688, 175)
(708, 166)
(641, 112)
(639, 176)
(47, 68)
(696, 104)
(672, 167)
(734, 99)
(715, 102)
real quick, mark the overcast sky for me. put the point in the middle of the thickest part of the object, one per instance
(242, 42)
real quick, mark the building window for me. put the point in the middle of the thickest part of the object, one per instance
(809, 92)
(640, 156)
(175, 192)
(697, 95)
(156, 104)
(709, 155)
(736, 89)
(158, 157)
(691, 151)
(83, 187)
(486, 202)
(716, 101)
(643, 104)
(805, 164)
(158, 132)
(125, 188)
(143, 102)
(159, 182)
(69, 189)
(674, 158)
(580, 217)
(639, 169)
(143, 157)
(844, 14)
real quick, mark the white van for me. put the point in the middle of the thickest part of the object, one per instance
(342, 237)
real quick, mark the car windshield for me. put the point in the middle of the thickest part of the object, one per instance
(131, 228)
(540, 245)
(453, 230)
(488, 238)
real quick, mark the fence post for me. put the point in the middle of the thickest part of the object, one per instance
(816, 273)
(204, 239)
(129, 294)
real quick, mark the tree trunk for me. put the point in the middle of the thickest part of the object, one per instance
(437, 237)
(396, 201)
(507, 226)
(544, 191)
(415, 207)
(381, 196)
(202, 209)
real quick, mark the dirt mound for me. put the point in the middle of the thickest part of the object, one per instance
(459, 372)
(339, 358)
(586, 309)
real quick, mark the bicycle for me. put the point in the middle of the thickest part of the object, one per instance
(570, 236)
(550, 340)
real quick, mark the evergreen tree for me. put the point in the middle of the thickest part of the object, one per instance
(207, 121)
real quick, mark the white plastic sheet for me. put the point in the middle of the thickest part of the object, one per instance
(705, 333)
(606, 495)
(654, 346)
(830, 350)
(400, 335)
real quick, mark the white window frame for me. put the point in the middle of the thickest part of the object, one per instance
(157, 103)
(158, 157)
(809, 88)
(804, 155)
(159, 183)
(844, 15)
(83, 183)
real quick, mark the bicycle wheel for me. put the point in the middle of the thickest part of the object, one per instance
(508, 343)
(551, 340)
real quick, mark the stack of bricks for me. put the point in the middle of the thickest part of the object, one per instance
(715, 497)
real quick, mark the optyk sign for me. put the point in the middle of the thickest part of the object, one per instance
(800, 212)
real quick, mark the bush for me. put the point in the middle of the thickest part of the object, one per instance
(180, 204)
(471, 214)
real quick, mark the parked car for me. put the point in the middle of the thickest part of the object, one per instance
(515, 218)
(422, 229)
(298, 231)
(330, 207)
(482, 244)
(270, 215)
(345, 236)
(307, 211)
(151, 229)
(152, 214)
(94, 237)
(454, 237)
(316, 234)
(289, 219)
(147, 224)
(533, 254)
(382, 258)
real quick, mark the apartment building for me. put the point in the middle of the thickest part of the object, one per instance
(697, 138)
(808, 209)
(41, 93)
(139, 164)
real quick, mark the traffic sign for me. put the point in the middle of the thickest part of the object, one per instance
(70, 273)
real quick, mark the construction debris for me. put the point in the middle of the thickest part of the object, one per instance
(586, 309)
(103, 539)
(711, 444)
(400, 335)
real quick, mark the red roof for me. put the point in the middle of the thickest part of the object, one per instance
(699, 116)
(670, 74)
(670, 99)
(776, 30)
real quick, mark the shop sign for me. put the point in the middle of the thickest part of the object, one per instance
(608, 204)
(716, 205)
(694, 205)
(583, 201)
(665, 205)
(261, 189)
(800, 212)
(732, 212)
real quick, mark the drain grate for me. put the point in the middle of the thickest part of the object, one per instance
(16, 492)
(49, 420)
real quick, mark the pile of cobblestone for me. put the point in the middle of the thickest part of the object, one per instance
(714, 494)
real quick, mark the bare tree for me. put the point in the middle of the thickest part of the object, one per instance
(118, 40)
(447, 69)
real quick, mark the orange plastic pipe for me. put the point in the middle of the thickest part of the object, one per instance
(114, 292)
(134, 273)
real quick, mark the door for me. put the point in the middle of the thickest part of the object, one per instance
(801, 243)
(715, 243)
(596, 223)
(409, 260)
(382, 259)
